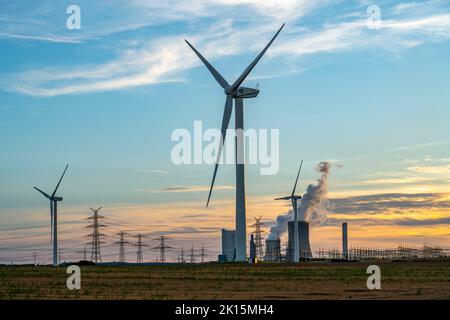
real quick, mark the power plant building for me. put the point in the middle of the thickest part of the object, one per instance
(253, 258)
(273, 250)
(303, 236)
(228, 245)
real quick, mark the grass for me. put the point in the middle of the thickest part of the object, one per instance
(316, 280)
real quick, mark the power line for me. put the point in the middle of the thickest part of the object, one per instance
(84, 252)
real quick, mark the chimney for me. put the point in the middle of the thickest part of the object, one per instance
(344, 241)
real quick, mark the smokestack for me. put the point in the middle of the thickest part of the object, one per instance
(344, 241)
(303, 237)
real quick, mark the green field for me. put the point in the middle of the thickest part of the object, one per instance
(315, 280)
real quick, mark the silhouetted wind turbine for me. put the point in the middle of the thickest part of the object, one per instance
(238, 93)
(54, 217)
(294, 199)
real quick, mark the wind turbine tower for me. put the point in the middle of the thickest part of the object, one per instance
(54, 217)
(293, 198)
(237, 93)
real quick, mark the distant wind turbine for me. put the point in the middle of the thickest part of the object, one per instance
(238, 93)
(294, 199)
(54, 217)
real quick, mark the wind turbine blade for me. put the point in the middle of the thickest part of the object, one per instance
(60, 179)
(244, 74)
(283, 198)
(45, 195)
(223, 83)
(296, 180)
(225, 121)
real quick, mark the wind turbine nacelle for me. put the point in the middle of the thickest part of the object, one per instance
(244, 93)
(57, 199)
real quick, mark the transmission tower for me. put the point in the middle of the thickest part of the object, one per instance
(258, 239)
(162, 248)
(122, 242)
(203, 254)
(139, 245)
(181, 256)
(192, 255)
(95, 234)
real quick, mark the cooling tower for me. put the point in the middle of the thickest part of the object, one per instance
(228, 245)
(344, 241)
(273, 252)
(303, 236)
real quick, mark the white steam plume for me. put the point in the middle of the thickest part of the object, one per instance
(313, 206)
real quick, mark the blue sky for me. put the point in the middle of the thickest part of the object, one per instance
(107, 97)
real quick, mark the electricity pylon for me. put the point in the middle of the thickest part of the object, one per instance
(162, 248)
(258, 239)
(95, 235)
(122, 242)
(203, 254)
(139, 245)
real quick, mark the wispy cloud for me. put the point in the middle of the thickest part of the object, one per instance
(48, 38)
(187, 189)
(405, 180)
(166, 59)
(430, 169)
(421, 145)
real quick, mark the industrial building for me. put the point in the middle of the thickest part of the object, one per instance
(253, 258)
(228, 245)
(273, 250)
(303, 236)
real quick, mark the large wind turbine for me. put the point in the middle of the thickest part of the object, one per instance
(54, 217)
(293, 197)
(238, 93)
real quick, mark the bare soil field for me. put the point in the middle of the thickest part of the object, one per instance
(314, 280)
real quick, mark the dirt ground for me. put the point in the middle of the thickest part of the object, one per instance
(313, 280)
